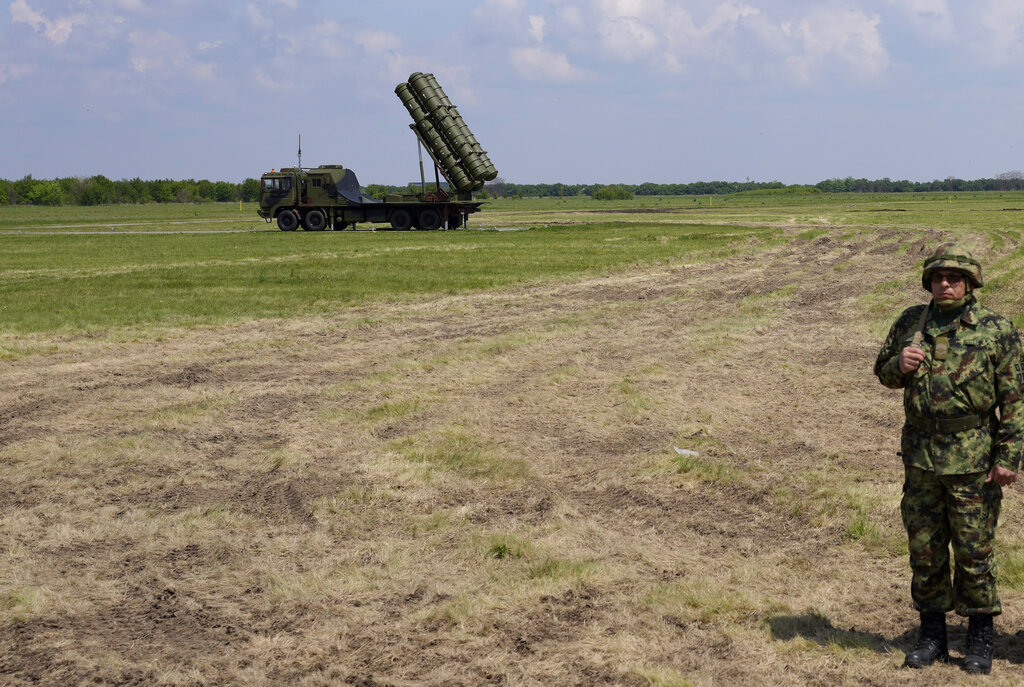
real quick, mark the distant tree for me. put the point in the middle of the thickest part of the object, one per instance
(45, 193)
(617, 192)
(250, 190)
(162, 190)
(135, 191)
(224, 192)
(496, 187)
(96, 190)
(376, 190)
(204, 190)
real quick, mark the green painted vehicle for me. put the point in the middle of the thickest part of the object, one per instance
(329, 196)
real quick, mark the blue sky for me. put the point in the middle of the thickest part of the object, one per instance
(575, 91)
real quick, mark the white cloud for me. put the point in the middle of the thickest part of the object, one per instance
(130, 5)
(57, 30)
(256, 17)
(537, 27)
(21, 12)
(538, 64)
(845, 38)
(13, 71)
(1003, 24)
(166, 54)
(571, 19)
(923, 7)
(505, 18)
(208, 45)
(263, 80)
(377, 42)
(727, 17)
(931, 18)
(627, 39)
(671, 64)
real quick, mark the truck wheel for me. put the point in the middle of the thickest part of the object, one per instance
(314, 221)
(340, 225)
(288, 220)
(400, 220)
(428, 220)
(455, 221)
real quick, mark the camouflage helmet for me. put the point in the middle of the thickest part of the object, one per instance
(952, 256)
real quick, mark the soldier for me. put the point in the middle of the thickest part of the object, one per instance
(960, 367)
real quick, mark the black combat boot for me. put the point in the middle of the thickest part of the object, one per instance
(931, 642)
(981, 639)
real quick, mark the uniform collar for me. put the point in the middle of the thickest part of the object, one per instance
(968, 315)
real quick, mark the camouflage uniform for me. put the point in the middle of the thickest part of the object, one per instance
(964, 413)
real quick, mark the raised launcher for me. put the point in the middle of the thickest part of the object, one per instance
(449, 142)
(329, 196)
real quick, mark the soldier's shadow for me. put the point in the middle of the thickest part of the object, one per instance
(820, 630)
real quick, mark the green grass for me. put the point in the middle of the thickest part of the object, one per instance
(455, 451)
(151, 217)
(97, 278)
(90, 283)
(703, 600)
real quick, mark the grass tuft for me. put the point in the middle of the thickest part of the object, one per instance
(457, 451)
(554, 569)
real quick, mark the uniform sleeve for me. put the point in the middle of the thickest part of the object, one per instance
(1009, 385)
(887, 364)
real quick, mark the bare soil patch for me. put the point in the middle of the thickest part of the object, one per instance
(479, 489)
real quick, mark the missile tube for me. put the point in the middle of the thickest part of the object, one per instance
(443, 130)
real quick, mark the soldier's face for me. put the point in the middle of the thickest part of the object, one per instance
(948, 285)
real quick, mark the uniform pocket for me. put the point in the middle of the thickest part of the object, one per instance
(993, 493)
(973, 376)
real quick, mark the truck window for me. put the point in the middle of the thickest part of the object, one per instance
(277, 184)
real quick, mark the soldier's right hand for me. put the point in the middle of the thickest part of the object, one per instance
(911, 358)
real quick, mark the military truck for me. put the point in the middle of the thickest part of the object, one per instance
(329, 196)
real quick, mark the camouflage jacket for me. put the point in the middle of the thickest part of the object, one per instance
(982, 375)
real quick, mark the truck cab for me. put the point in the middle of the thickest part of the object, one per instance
(277, 190)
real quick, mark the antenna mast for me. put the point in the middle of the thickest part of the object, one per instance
(300, 151)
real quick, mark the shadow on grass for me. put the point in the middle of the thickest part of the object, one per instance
(821, 631)
(815, 628)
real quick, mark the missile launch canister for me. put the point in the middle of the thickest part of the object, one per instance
(444, 134)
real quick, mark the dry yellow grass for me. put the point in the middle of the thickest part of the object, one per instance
(479, 489)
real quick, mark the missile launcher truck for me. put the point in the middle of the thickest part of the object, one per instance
(329, 196)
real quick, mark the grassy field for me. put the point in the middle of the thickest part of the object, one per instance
(86, 282)
(450, 458)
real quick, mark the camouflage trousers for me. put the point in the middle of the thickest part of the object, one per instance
(939, 510)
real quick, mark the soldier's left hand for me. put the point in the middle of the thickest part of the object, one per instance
(1001, 476)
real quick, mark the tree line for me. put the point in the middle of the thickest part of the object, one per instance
(1009, 181)
(99, 190)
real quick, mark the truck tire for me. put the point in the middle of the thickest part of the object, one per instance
(400, 220)
(455, 221)
(428, 220)
(288, 220)
(314, 221)
(340, 225)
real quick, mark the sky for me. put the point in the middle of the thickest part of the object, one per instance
(571, 91)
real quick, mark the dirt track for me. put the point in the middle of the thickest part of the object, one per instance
(480, 489)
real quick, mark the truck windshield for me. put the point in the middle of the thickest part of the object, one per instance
(277, 183)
